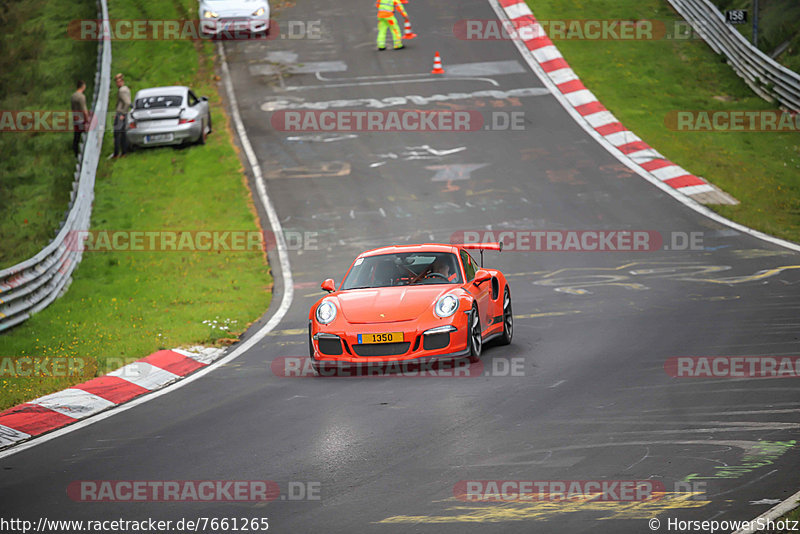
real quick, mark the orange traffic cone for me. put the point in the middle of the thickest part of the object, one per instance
(408, 33)
(437, 65)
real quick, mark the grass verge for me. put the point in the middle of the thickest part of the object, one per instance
(642, 81)
(123, 306)
(39, 65)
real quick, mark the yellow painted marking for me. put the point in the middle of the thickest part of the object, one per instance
(290, 332)
(546, 314)
(714, 299)
(753, 253)
(749, 278)
(320, 170)
(546, 510)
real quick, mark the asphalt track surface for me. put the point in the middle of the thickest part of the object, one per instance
(593, 330)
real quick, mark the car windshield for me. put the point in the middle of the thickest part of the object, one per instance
(164, 101)
(412, 268)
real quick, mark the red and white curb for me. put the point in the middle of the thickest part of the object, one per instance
(65, 407)
(555, 67)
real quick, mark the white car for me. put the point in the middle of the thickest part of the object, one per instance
(221, 18)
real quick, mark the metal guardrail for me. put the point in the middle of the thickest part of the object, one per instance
(765, 76)
(32, 285)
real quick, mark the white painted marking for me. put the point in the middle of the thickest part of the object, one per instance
(546, 53)
(427, 79)
(322, 138)
(696, 189)
(145, 375)
(622, 158)
(622, 138)
(643, 156)
(563, 76)
(601, 118)
(281, 56)
(518, 10)
(670, 171)
(73, 402)
(557, 384)
(395, 101)
(204, 355)
(377, 164)
(9, 436)
(310, 67)
(485, 68)
(447, 173)
(579, 98)
(765, 501)
(439, 153)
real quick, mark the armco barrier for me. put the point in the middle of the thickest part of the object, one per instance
(33, 284)
(766, 77)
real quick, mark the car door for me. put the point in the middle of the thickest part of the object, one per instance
(481, 293)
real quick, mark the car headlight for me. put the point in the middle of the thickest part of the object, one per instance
(326, 312)
(446, 306)
(210, 15)
(258, 12)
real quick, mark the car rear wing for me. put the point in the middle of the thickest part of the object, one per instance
(481, 247)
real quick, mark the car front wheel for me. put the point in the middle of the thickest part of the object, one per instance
(475, 338)
(508, 319)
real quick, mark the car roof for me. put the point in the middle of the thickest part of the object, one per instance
(178, 90)
(399, 249)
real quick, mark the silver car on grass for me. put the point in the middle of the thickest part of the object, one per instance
(220, 18)
(168, 116)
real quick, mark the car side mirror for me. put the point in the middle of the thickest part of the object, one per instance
(328, 285)
(482, 276)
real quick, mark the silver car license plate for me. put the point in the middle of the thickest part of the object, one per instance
(157, 137)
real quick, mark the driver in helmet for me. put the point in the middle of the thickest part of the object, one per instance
(442, 266)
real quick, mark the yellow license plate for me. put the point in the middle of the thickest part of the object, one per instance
(386, 337)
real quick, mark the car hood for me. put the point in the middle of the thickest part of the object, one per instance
(389, 304)
(233, 7)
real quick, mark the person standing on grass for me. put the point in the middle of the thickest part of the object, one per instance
(80, 115)
(120, 114)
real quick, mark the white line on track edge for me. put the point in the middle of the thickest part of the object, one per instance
(286, 300)
(680, 197)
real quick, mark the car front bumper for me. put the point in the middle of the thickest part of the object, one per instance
(232, 27)
(341, 345)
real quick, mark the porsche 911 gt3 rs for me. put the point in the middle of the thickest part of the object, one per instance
(411, 302)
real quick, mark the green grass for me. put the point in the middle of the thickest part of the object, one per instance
(123, 306)
(39, 65)
(642, 81)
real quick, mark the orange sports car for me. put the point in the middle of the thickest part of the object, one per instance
(411, 302)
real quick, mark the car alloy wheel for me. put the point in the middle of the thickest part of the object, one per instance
(475, 339)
